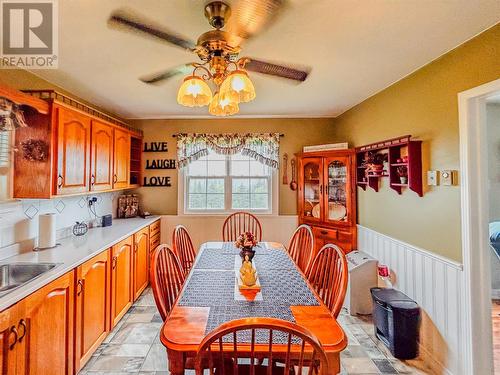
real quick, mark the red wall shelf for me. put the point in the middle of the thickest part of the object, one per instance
(396, 148)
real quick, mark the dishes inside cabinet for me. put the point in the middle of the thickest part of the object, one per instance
(315, 211)
(336, 211)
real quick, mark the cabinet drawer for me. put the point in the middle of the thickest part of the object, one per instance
(154, 228)
(325, 234)
(154, 242)
(344, 236)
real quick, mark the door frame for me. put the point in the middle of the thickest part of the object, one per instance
(476, 288)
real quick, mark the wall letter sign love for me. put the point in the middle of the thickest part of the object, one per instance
(157, 181)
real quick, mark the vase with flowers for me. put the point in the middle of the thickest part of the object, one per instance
(374, 163)
(246, 242)
(403, 174)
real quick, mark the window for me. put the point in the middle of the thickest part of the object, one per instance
(223, 183)
(5, 165)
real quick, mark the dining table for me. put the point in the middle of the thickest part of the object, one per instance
(211, 296)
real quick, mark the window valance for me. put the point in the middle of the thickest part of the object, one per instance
(262, 147)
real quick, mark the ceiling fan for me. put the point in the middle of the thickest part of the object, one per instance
(218, 51)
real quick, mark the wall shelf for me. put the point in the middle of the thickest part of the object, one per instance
(397, 148)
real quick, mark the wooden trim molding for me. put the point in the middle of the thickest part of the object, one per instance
(477, 348)
(52, 95)
(21, 98)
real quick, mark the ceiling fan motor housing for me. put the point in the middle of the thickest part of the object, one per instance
(217, 13)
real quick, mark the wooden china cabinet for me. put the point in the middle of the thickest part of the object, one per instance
(327, 196)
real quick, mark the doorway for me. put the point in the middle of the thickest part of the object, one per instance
(476, 248)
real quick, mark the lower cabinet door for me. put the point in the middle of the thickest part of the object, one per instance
(46, 347)
(121, 279)
(93, 285)
(141, 261)
(9, 334)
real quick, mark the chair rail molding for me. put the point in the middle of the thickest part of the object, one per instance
(434, 282)
(477, 349)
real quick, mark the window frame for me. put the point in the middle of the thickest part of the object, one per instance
(183, 186)
(9, 165)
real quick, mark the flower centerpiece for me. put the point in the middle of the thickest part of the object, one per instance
(246, 241)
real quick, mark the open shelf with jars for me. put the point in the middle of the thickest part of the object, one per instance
(399, 159)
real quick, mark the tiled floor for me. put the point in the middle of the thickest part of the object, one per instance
(134, 347)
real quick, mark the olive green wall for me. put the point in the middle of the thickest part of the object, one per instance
(298, 133)
(424, 105)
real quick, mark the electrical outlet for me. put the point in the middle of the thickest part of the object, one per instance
(447, 178)
(432, 178)
(92, 201)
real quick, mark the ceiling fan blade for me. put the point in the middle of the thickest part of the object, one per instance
(264, 67)
(143, 25)
(167, 74)
(248, 17)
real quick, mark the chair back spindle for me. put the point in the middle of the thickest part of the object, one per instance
(328, 276)
(183, 247)
(301, 247)
(240, 222)
(167, 278)
(221, 353)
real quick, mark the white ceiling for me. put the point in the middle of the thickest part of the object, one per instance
(354, 47)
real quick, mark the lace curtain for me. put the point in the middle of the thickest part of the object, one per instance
(261, 147)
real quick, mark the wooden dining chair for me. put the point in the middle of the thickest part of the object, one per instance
(167, 278)
(183, 247)
(240, 222)
(301, 247)
(221, 353)
(328, 276)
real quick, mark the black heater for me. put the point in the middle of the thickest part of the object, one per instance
(397, 321)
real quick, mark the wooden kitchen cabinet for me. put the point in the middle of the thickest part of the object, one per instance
(102, 141)
(45, 333)
(121, 279)
(327, 197)
(93, 306)
(9, 332)
(73, 149)
(121, 159)
(141, 261)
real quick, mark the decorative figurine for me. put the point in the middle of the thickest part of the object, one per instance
(248, 274)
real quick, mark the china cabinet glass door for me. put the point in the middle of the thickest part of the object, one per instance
(337, 204)
(312, 189)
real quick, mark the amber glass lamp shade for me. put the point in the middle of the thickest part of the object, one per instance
(194, 92)
(222, 106)
(238, 87)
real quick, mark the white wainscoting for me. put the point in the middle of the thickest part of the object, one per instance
(435, 283)
(209, 228)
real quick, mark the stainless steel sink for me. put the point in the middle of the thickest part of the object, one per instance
(14, 275)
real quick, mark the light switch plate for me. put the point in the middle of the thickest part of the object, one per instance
(447, 178)
(432, 178)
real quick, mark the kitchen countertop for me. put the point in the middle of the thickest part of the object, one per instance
(72, 252)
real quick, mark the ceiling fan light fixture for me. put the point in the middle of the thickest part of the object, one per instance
(238, 86)
(222, 105)
(194, 92)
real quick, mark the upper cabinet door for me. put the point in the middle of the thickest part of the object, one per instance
(73, 152)
(337, 197)
(122, 159)
(311, 189)
(101, 177)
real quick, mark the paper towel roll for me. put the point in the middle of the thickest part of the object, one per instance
(47, 230)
